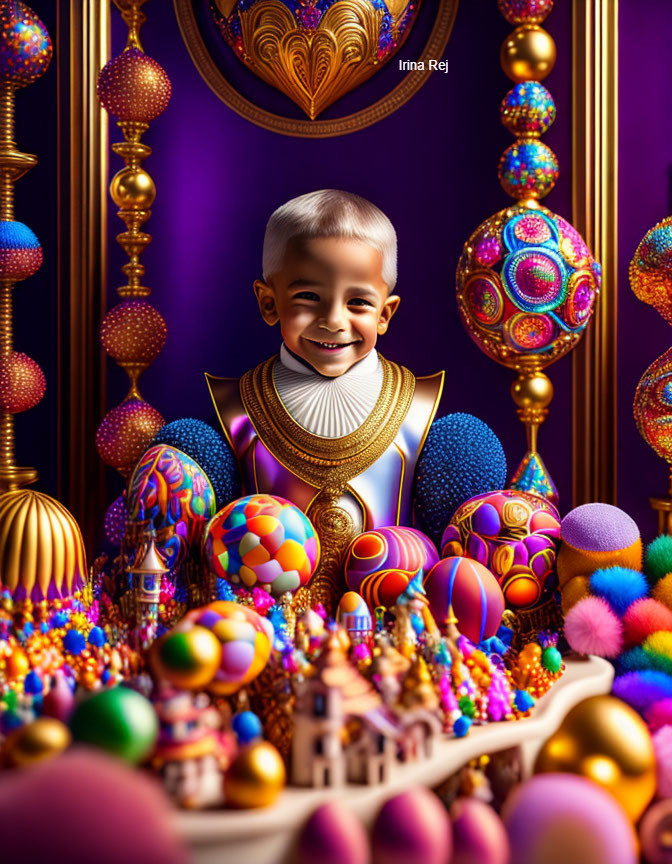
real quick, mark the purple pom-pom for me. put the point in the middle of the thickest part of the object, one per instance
(642, 689)
(591, 627)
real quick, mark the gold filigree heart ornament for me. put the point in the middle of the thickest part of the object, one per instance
(314, 51)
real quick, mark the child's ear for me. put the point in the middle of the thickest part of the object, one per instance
(390, 307)
(266, 299)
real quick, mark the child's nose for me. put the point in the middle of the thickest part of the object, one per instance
(332, 318)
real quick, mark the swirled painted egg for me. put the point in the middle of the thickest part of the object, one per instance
(473, 593)
(526, 284)
(383, 587)
(246, 639)
(169, 489)
(513, 534)
(393, 548)
(265, 541)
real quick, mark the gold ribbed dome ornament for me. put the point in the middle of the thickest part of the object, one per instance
(42, 555)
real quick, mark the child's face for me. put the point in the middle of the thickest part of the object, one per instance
(331, 301)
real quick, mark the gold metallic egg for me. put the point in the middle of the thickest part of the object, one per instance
(42, 739)
(132, 189)
(606, 741)
(528, 54)
(255, 778)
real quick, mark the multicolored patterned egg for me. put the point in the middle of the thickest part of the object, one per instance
(383, 587)
(526, 284)
(262, 540)
(25, 45)
(472, 591)
(354, 615)
(394, 548)
(169, 488)
(246, 639)
(515, 535)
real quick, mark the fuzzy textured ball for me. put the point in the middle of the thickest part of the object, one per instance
(644, 617)
(643, 689)
(619, 586)
(462, 457)
(209, 450)
(591, 627)
(658, 558)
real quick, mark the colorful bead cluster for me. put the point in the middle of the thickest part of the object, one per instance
(651, 269)
(528, 110)
(25, 45)
(525, 11)
(653, 406)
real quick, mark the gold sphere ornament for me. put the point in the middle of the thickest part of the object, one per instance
(42, 554)
(528, 54)
(188, 658)
(255, 778)
(606, 741)
(132, 188)
(41, 739)
(133, 332)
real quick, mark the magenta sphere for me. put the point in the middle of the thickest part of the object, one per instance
(558, 818)
(22, 383)
(126, 432)
(333, 835)
(413, 826)
(134, 87)
(525, 11)
(478, 834)
(473, 593)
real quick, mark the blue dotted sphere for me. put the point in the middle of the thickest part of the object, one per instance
(247, 726)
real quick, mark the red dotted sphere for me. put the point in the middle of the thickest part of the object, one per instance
(133, 332)
(126, 432)
(134, 87)
(22, 383)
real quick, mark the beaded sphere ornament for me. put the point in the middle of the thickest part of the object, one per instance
(25, 46)
(526, 285)
(525, 11)
(134, 87)
(116, 516)
(133, 332)
(126, 432)
(262, 540)
(20, 251)
(528, 169)
(528, 110)
(515, 535)
(652, 407)
(651, 269)
(22, 383)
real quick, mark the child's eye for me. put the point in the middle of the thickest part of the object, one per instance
(359, 301)
(306, 295)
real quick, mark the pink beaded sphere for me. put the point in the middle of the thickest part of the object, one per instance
(525, 11)
(133, 332)
(22, 383)
(126, 432)
(25, 46)
(134, 87)
(20, 251)
(526, 285)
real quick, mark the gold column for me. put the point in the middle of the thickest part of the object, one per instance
(595, 216)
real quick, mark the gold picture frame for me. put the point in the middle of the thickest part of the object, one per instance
(398, 96)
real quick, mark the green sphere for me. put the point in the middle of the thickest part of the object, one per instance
(551, 659)
(117, 720)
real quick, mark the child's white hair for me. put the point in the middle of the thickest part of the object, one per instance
(330, 213)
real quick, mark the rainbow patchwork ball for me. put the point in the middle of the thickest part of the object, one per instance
(262, 540)
(246, 639)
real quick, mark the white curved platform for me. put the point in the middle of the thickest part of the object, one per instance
(266, 836)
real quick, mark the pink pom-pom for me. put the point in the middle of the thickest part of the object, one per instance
(591, 627)
(644, 617)
(662, 744)
(659, 715)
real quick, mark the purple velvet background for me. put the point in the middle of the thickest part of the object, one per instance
(431, 166)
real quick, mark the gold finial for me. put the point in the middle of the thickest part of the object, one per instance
(134, 18)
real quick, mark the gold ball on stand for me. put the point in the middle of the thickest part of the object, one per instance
(42, 739)
(606, 741)
(528, 54)
(256, 777)
(132, 189)
(532, 390)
